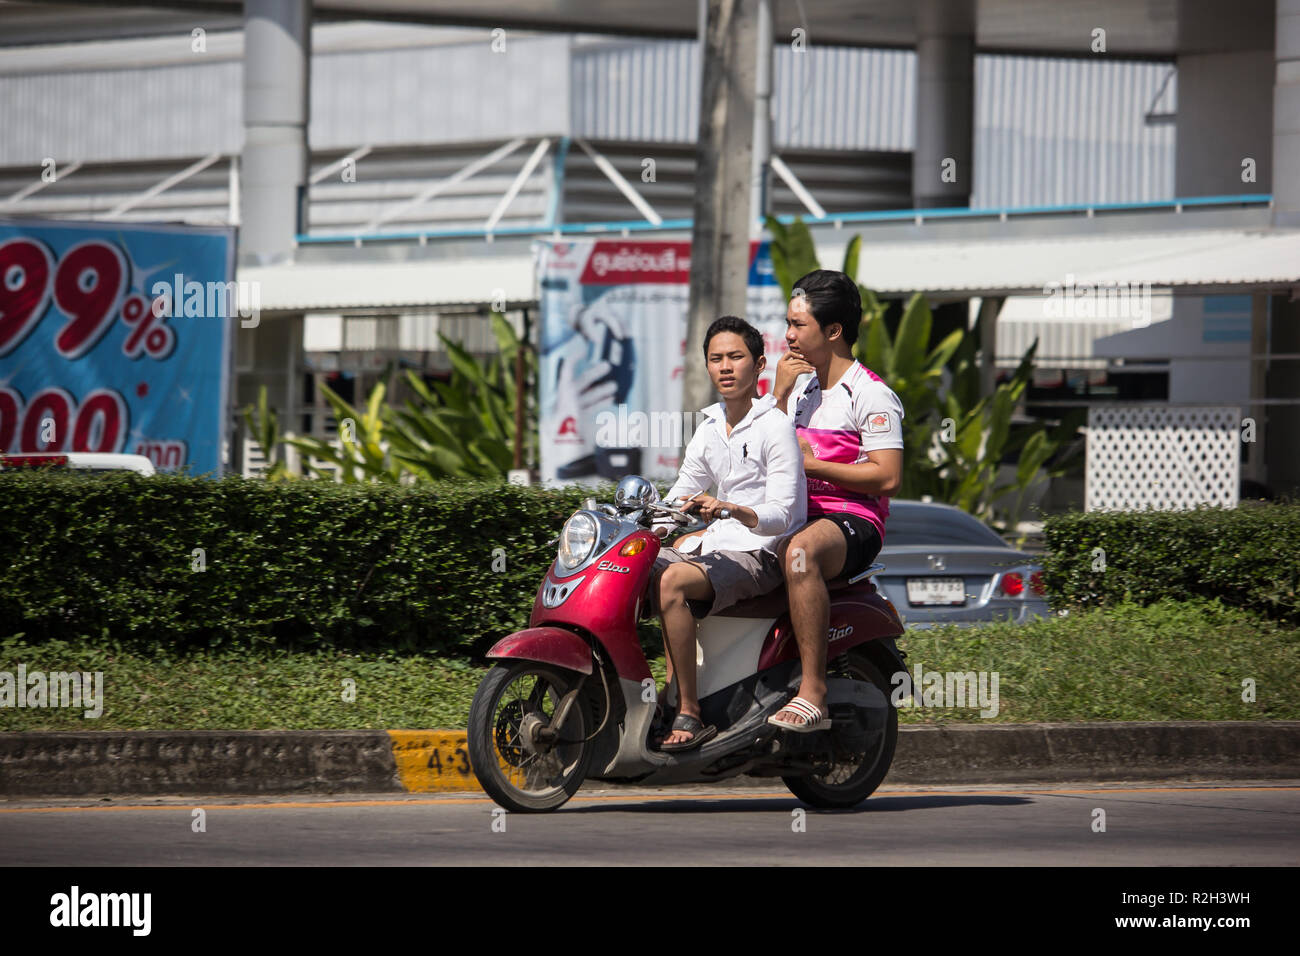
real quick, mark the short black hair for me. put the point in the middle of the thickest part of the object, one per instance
(733, 323)
(834, 299)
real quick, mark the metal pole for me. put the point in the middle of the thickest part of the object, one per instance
(519, 394)
(760, 197)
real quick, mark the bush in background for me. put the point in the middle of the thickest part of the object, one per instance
(434, 566)
(179, 562)
(1246, 557)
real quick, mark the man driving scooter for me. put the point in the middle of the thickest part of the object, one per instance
(747, 449)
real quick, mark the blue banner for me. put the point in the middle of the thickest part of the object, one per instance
(116, 338)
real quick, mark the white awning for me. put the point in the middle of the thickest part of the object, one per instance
(341, 287)
(1222, 259)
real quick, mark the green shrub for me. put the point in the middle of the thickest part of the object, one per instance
(291, 563)
(1246, 557)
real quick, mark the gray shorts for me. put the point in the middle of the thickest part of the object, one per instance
(734, 575)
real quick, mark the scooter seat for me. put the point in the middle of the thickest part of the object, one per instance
(775, 603)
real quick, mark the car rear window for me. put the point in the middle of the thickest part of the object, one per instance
(939, 527)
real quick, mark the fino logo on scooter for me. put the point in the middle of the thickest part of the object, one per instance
(611, 566)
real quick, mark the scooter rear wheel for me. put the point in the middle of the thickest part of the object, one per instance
(847, 785)
(521, 776)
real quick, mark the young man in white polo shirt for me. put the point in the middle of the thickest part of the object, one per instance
(747, 450)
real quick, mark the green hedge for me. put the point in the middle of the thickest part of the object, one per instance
(1248, 557)
(295, 563)
(418, 568)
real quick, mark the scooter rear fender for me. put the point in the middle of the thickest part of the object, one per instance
(546, 645)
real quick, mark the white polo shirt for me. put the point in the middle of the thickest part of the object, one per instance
(758, 465)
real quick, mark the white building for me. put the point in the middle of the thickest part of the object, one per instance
(437, 145)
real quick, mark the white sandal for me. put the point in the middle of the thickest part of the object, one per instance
(811, 719)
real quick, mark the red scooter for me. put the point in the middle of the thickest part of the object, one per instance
(572, 698)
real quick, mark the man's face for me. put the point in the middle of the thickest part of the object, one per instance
(731, 366)
(803, 336)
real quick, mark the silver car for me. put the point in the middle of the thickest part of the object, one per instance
(943, 566)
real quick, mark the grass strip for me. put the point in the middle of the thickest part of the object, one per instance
(1168, 661)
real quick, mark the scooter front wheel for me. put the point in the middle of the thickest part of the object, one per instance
(523, 762)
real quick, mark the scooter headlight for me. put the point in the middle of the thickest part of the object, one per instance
(577, 540)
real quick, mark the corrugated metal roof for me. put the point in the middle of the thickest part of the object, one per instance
(1201, 259)
(332, 287)
(1051, 131)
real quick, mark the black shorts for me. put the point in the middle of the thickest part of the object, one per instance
(861, 539)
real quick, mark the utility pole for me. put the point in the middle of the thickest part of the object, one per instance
(723, 176)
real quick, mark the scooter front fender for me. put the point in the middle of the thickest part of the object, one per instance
(546, 645)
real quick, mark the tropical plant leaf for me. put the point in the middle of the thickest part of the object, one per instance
(1032, 457)
(912, 340)
(793, 253)
(851, 254)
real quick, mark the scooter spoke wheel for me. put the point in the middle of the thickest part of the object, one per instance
(517, 769)
(847, 782)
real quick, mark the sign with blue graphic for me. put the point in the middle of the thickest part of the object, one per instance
(613, 352)
(116, 338)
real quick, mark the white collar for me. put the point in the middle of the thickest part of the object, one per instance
(760, 406)
(850, 372)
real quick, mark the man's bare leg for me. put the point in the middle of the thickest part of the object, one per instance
(668, 660)
(680, 582)
(814, 555)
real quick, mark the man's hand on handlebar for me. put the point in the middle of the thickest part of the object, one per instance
(709, 507)
(679, 517)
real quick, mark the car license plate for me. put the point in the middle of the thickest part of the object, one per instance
(949, 591)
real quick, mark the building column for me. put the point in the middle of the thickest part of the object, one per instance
(1286, 115)
(942, 160)
(723, 158)
(277, 108)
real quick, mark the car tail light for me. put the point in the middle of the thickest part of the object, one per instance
(1013, 585)
(1036, 583)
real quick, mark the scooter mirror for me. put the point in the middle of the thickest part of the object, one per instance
(634, 492)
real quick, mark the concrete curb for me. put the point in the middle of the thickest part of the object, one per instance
(375, 761)
(1030, 753)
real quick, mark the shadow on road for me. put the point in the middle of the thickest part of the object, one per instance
(694, 804)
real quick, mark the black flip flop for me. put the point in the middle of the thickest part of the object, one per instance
(699, 733)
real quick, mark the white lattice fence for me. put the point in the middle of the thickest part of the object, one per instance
(1162, 458)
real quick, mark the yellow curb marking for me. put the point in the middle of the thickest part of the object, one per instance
(433, 761)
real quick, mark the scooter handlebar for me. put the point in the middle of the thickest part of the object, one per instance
(688, 522)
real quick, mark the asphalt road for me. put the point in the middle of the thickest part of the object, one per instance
(1191, 825)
